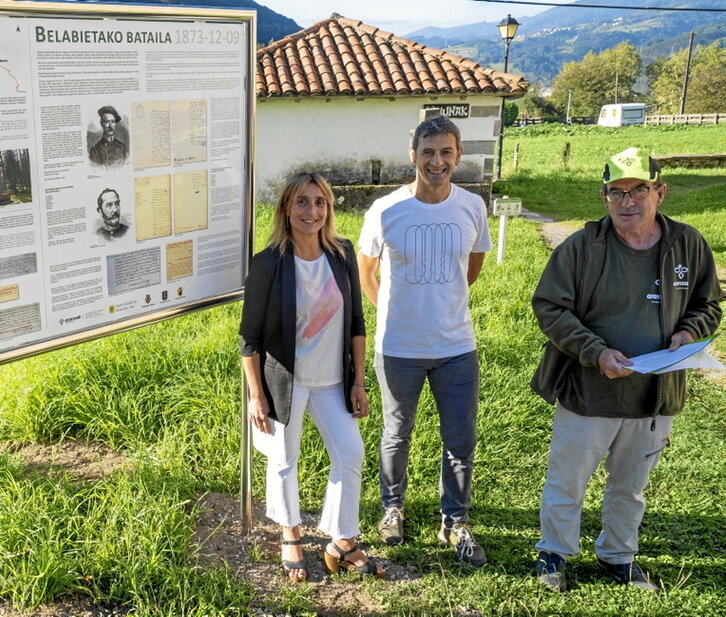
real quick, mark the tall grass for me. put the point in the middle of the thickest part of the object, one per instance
(124, 541)
(168, 396)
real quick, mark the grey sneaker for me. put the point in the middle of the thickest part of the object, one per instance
(467, 550)
(391, 526)
(550, 571)
(628, 574)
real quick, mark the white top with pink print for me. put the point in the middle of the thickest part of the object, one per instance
(319, 324)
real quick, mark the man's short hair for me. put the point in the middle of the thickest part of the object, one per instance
(108, 109)
(102, 193)
(436, 125)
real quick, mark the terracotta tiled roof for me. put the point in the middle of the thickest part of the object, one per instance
(342, 56)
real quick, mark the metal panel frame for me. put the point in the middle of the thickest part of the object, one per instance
(158, 13)
(168, 13)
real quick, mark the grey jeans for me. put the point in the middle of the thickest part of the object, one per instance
(579, 443)
(454, 383)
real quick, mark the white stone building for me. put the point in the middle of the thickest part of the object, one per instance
(342, 97)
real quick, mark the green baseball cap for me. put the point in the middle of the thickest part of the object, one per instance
(631, 163)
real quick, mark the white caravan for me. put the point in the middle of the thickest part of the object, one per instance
(622, 114)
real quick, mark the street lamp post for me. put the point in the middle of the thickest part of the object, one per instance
(507, 30)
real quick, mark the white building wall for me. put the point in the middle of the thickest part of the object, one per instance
(362, 141)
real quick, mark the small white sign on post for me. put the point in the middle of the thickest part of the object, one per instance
(504, 207)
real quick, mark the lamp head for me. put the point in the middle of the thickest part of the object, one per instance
(508, 28)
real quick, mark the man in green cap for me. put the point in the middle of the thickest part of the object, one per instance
(631, 283)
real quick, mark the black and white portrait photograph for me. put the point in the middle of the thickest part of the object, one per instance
(108, 139)
(111, 223)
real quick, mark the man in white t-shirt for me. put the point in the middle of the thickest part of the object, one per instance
(428, 240)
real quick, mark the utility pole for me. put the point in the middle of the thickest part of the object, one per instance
(616, 85)
(569, 100)
(685, 79)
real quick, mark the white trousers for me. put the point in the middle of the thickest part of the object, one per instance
(340, 433)
(579, 443)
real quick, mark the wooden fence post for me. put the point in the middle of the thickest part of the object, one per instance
(566, 154)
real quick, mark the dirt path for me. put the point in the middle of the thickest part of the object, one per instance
(220, 539)
(80, 460)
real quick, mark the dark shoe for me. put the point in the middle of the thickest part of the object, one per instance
(391, 526)
(289, 566)
(335, 563)
(628, 574)
(467, 550)
(550, 571)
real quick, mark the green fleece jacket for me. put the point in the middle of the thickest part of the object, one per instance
(689, 301)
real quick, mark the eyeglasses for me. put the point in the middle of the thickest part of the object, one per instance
(618, 195)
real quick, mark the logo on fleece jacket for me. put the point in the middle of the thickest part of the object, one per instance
(680, 271)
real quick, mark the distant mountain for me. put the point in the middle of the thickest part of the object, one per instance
(443, 37)
(551, 38)
(271, 26)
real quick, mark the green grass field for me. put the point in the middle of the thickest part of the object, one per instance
(167, 395)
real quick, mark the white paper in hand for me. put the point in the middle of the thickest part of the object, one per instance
(692, 355)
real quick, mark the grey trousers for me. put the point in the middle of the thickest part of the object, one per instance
(579, 443)
(454, 383)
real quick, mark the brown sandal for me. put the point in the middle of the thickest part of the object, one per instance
(334, 564)
(289, 566)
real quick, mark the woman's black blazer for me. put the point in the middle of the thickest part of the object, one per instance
(268, 321)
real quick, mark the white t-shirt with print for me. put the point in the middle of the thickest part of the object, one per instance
(318, 324)
(423, 300)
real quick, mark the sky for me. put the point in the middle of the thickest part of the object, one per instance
(402, 17)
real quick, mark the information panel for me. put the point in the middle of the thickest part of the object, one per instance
(125, 171)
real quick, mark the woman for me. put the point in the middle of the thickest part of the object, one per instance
(303, 346)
